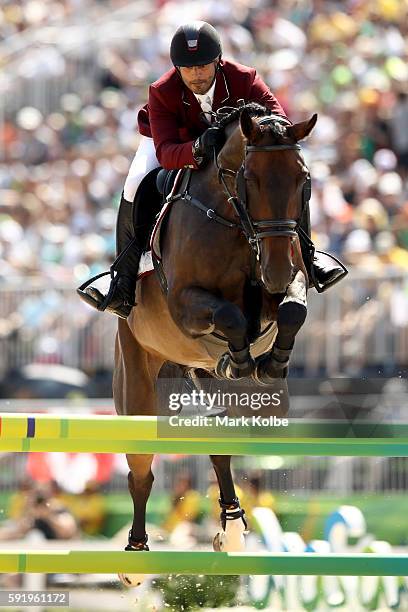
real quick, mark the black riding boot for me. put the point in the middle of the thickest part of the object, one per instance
(121, 295)
(324, 270)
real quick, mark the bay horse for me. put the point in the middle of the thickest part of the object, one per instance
(235, 290)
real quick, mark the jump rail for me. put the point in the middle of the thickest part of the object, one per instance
(113, 434)
(176, 562)
(147, 434)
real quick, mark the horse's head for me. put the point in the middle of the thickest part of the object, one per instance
(269, 186)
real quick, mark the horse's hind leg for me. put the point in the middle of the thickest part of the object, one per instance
(231, 538)
(133, 390)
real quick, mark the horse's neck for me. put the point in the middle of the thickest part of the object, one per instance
(232, 153)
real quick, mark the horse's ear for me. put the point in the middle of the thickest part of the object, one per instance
(299, 131)
(249, 127)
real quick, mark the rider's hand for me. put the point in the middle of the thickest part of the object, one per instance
(203, 147)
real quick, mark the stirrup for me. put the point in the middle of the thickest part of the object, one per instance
(312, 251)
(105, 303)
(317, 285)
(87, 298)
(94, 298)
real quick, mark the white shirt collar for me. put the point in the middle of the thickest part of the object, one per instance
(209, 93)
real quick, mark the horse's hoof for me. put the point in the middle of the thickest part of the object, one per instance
(238, 373)
(234, 543)
(132, 580)
(268, 369)
(225, 368)
(217, 542)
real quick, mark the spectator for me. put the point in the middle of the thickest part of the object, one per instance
(45, 513)
(185, 504)
(399, 131)
(88, 508)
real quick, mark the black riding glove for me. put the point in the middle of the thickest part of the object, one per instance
(203, 147)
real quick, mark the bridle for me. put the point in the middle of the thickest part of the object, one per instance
(253, 231)
(256, 231)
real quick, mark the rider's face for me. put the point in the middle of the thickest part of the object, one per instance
(198, 78)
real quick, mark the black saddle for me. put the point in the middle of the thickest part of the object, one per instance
(165, 181)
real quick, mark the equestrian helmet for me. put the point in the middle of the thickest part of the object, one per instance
(195, 44)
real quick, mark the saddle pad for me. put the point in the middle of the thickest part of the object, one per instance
(145, 265)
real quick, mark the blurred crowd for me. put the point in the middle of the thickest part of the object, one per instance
(48, 508)
(17, 16)
(39, 511)
(62, 169)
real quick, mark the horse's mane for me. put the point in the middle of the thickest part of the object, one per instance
(228, 114)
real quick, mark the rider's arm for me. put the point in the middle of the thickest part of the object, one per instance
(261, 93)
(171, 152)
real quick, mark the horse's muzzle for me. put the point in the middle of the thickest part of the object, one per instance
(277, 281)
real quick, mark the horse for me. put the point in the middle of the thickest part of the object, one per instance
(230, 293)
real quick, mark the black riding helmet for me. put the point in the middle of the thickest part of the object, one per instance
(195, 44)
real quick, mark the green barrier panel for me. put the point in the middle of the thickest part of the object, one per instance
(117, 434)
(165, 562)
(317, 447)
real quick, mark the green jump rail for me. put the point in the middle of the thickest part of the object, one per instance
(114, 434)
(148, 434)
(218, 563)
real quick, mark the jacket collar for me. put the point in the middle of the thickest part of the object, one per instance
(221, 93)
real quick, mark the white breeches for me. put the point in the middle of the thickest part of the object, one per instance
(143, 162)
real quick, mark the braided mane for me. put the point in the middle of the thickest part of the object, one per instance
(228, 114)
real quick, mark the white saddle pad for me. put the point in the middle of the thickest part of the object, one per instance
(145, 264)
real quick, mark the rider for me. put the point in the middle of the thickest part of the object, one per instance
(174, 135)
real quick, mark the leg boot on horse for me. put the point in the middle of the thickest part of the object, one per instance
(291, 315)
(233, 523)
(121, 294)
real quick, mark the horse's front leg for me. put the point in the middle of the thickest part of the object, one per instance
(292, 313)
(199, 312)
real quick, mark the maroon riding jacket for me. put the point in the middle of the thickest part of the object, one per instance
(172, 115)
